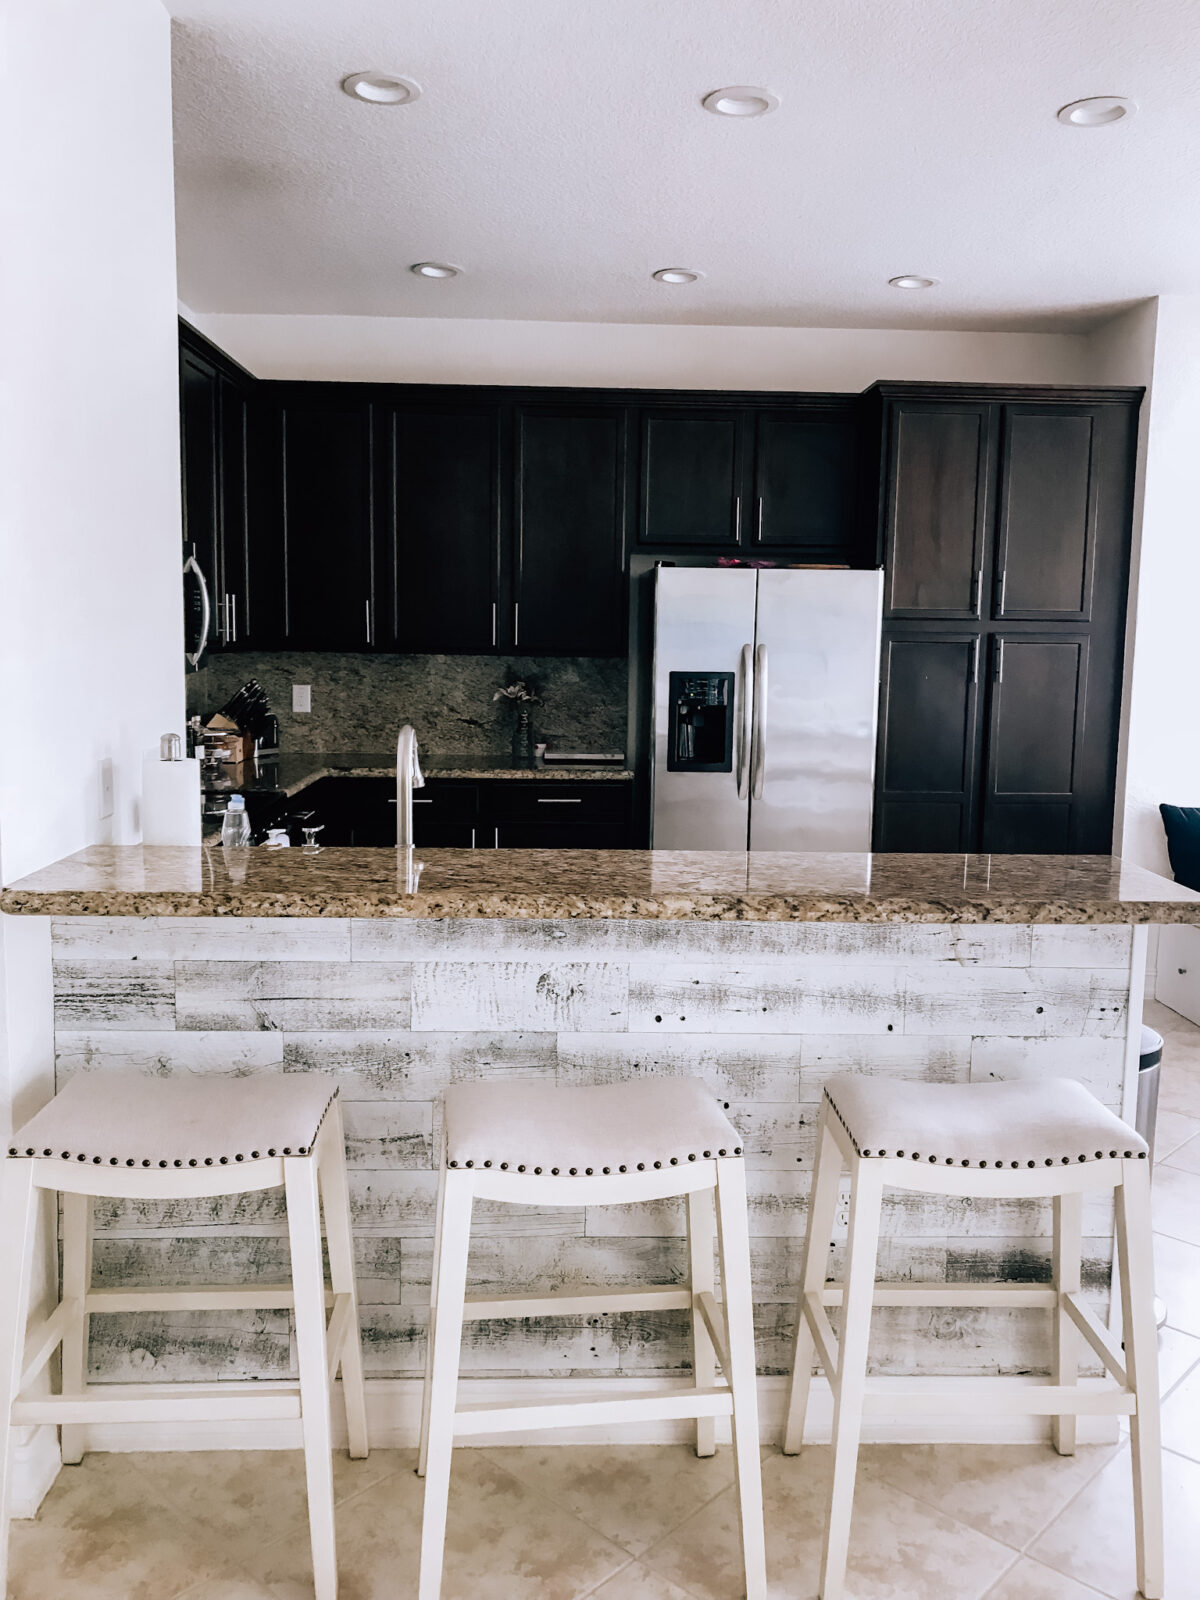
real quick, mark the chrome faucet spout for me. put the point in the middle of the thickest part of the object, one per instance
(408, 778)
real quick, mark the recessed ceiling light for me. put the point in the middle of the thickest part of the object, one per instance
(910, 280)
(434, 269)
(1098, 112)
(381, 89)
(741, 100)
(676, 275)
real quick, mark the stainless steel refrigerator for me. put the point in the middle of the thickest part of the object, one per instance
(766, 686)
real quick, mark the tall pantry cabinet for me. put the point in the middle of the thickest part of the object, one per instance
(1004, 528)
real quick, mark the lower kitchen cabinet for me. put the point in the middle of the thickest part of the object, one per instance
(450, 813)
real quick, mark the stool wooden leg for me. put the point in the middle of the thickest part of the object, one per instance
(76, 1281)
(1135, 1246)
(18, 1206)
(1068, 1258)
(733, 1232)
(866, 1197)
(822, 1210)
(455, 1237)
(427, 1386)
(308, 1283)
(339, 1238)
(702, 1229)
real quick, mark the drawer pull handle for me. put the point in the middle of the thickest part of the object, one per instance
(543, 801)
(416, 802)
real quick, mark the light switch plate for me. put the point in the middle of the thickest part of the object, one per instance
(302, 697)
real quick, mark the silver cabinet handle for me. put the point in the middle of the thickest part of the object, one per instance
(233, 616)
(493, 624)
(745, 733)
(472, 838)
(758, 534)
(737, 520)
(368, 610)
(495, 838)
(975, 664)
(999, 660)
(758, 756)
(193, 657)
(545, 801)
(977, 593)
(1003, 582)
(516, 622)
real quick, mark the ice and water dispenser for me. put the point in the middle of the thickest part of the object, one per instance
(700, 736)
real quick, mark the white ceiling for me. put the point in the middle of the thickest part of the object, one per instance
(559, 154)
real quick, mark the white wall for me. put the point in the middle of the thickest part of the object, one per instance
(632, 355)
(90, 598)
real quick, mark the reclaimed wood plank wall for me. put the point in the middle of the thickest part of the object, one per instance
(763, 1013)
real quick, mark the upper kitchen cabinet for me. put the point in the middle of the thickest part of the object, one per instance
(805, 480)
(323, 467)
(691, 477)
(568, 581)
(437, 486)
(935, 507)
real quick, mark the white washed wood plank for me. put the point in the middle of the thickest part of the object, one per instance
(394, 1345)
(380, 939)
(227, 1260)
(570, 997)
(202, 938)
(292, 996)
(775, 1138)
(1038, 1002)
(292, 1016)
(419, 1066)
(156, 1347)
(1098, 1063)
(160, 1054)
(389, 1133)
(936, 1058)
(828, 998)
(548, 1263)
(1082, 947)
(132, 995)
(735, 1067)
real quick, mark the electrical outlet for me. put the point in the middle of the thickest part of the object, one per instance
(302, 697)
(107, 804)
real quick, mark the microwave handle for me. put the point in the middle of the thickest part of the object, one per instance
(192, 565)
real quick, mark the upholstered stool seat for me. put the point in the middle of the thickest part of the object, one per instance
(1019, 1123)
(613, 1144)
(645, 1125)
(123, 1135)
(1015, 1140)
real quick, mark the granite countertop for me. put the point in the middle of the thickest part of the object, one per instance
(288, 774)
(696, 886)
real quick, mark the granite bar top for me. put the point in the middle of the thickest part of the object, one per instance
(656, 885)
(287, 774)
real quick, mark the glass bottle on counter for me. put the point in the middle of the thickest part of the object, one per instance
(235, 830)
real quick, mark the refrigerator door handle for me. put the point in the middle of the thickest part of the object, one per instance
(758, 751)
(745, 726)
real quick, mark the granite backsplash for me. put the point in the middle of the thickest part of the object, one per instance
(360, 701)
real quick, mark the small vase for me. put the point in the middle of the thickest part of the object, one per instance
(522, 739)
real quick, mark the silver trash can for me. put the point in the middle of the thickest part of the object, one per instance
(1149, 1068)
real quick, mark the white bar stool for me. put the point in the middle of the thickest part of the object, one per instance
(124, 1135)
(1000, 1140)
(612, 1144)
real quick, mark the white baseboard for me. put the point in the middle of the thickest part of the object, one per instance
(394, 1412)
(35, 1465)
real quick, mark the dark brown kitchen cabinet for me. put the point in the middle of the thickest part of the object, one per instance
(568, 588)
(691, 477)
(1035, 730)
(438, 513)
(804, 493)
(936, 508)
(199, 440)
(1049, 502)
(328, 560)
(928, 724)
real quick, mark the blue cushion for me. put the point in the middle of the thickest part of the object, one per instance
(1183, 842)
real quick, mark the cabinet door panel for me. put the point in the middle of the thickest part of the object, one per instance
(442, 528)
(691, 477)
(556, 836)
(199, 451)
(1035, 727)
(234, 596)
(804, 479)
(569, 584)
(327, 527)
(927, 742)
(1047, 514)
(936, 509)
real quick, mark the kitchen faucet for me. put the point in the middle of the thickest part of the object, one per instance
(408, 778)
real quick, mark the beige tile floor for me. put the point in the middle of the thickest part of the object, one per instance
(932, 1522)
